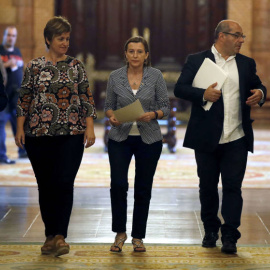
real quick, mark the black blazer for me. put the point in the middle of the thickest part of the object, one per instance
(205, 127)
(3, 96)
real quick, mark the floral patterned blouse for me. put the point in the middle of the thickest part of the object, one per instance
(55, 99)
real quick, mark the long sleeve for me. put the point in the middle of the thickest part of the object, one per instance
(183, 88)
(85, 94)
(162, 98)
(111, 98)
(26, 92)
(256, 82)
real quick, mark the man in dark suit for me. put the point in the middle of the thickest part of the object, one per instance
(223, 135)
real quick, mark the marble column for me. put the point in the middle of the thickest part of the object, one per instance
(261, 39)
(24, 24)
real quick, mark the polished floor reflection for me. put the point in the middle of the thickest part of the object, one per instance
(174, 216)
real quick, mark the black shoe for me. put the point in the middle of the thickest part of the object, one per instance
(210, 240)
(23, 155)
(229, 245)
(7, 161)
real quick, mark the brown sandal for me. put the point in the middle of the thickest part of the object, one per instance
(60, 246)
(117, 242)
(138, 245)
(48, 246)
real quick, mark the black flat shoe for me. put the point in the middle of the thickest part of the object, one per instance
(210, 240)
(229, 247)
(7, 161)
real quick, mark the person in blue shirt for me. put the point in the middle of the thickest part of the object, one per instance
(13, 63)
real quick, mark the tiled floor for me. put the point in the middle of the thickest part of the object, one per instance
(174, 216)
(174, 213)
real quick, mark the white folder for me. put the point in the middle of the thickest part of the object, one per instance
(209, 73)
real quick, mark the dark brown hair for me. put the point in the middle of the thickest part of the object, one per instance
(56, 27)
(139, 39)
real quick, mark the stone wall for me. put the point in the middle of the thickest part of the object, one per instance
(241, 11)
(253, 16)
(30, 17)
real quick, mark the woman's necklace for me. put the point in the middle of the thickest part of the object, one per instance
(135, 80)
(135, 83)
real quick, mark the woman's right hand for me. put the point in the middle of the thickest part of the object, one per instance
(114, 121)
(20, 138)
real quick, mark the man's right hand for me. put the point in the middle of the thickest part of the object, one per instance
(212, 94)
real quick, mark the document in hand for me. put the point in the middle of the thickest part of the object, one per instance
(130, 112)
(209, 73)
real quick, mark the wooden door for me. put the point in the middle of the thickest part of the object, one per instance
(174, 29)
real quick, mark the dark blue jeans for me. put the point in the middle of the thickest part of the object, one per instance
(228, 160)
(146, 159)
(55, 161)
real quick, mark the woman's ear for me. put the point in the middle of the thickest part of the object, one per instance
(48, 42)
(147, 54)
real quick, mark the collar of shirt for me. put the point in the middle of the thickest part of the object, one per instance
(218, 56)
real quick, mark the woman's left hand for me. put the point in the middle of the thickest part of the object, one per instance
(89, 137)
(147, 117)
(20, 138)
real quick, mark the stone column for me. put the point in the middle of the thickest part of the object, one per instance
(43, 11)
(24, 24)
(261, 39)
(30, 17)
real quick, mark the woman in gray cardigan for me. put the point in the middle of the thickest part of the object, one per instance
(143, 138)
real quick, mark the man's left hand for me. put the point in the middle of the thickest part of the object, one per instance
(255, 98)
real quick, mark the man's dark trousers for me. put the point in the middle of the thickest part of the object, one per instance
(228, 160)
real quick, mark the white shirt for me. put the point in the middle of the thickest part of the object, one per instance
(232, 125)
(134, 129)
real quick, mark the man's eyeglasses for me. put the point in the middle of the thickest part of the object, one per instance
(235, 35)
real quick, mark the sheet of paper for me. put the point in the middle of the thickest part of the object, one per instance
(209, 73)
(130, 112)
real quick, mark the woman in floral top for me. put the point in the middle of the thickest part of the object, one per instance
(55, 114)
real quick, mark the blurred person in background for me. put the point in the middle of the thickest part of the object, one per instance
(13, 63)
